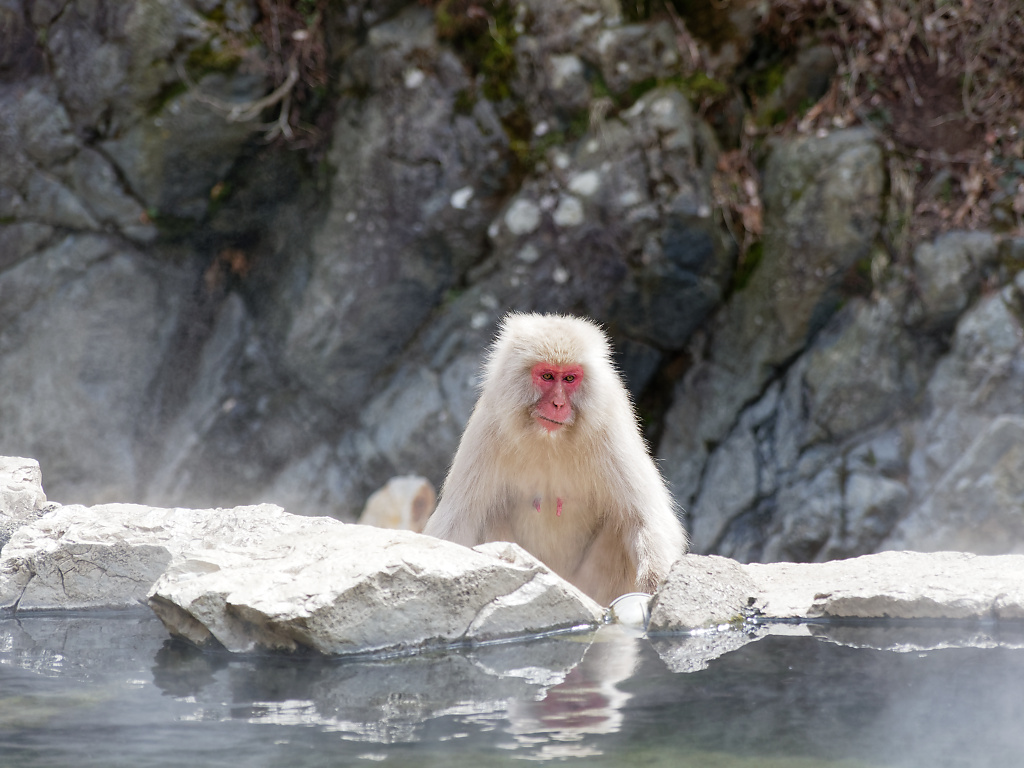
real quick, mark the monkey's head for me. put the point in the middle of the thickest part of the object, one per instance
(545, 372)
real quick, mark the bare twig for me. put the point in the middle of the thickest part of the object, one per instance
(243, 112)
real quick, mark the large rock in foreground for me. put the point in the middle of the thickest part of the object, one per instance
(108, 556)
(21, 494)
(257, 578)
(21, 487)
(703, 592)
(346, 589)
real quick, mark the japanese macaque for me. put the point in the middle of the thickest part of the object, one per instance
(553, 460)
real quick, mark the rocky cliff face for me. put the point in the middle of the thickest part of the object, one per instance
(191, 316)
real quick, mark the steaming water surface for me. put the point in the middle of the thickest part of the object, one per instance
(112, 690)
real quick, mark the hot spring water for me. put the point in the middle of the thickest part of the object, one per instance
(112, 690)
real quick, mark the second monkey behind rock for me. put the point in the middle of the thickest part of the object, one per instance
(552, 459)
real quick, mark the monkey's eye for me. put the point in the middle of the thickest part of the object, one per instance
(569, 378)
(548, 376)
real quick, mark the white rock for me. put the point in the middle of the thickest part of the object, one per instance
(345, 589)
(585, 183)
(460, 198)
(605, 41)
(946, 271)
(569, 212)
(522, 217)
(413, 77)
(21, 487)
(260, 578)
(702, 592)
(662, 107)
(404, 504)
(630, 197)
(900, 585)
(565, 70)
(108, 556)
(528, 253)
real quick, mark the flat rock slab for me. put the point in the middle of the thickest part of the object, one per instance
(21, 494)
(703, 592)
(21, 487)
(343, 589)
(108, 556)
(260, 579)
(896, 585)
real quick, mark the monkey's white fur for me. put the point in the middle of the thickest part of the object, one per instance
(618, 531)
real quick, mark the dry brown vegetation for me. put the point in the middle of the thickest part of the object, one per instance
(293, 33)
(942, 85)
(940, 82)
(290, 50)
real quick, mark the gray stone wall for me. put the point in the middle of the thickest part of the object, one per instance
(190, 316)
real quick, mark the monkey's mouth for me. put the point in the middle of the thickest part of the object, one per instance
(549, 424)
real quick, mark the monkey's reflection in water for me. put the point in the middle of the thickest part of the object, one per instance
(587, 703)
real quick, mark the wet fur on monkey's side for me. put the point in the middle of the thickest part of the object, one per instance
(552, 458)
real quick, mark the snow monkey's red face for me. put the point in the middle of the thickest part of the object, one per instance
(556, 385)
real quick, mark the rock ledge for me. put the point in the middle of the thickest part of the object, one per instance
(703, 592)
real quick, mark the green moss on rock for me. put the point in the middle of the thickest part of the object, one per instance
(484, 39)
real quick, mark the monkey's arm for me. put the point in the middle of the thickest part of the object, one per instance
(455, 520)
(658, 541)
(471, 496)
(654, 536)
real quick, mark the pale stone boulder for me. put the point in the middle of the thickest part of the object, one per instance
(403, 504)
(894, 585)
(108, 556)
(21, 487)
(258, 578)
(334, 588)
(702, 591)
(706, 592)
(948, 270)
(21, 495)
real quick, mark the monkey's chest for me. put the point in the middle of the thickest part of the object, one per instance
(556, 525)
